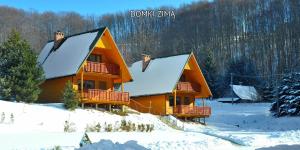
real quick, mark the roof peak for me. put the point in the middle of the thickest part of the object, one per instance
(89, 31)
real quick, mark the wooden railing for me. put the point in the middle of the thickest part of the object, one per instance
(192, 110)
(102, 68)
(185, 86)
(103, 96)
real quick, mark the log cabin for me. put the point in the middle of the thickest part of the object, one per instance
(169, 86)
(93, 64)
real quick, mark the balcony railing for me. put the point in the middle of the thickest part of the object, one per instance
(185, 86)
(186, 110)
(102, 68)
(103, 96)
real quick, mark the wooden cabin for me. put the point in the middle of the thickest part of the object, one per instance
(169, 86)
(91, 61)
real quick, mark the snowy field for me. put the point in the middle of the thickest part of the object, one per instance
(238, 126)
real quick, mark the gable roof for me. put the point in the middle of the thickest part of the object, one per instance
(160, 76)
(245, 92)
(68, 57)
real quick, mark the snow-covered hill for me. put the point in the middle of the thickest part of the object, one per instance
(37, 126)
(238, 126)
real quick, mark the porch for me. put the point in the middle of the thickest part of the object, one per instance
(187, 87)
(98, 96)
(102, 68)
(191, 111)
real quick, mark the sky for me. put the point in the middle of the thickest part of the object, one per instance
(90, 7)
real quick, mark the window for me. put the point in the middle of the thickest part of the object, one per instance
(87, 84)
(171, 100)
(178, 100)
(95, 58)
(102, 85)
(186, 100)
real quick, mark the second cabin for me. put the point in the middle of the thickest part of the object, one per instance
(92, 62)
(169, 86)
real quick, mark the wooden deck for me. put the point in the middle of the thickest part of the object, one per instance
(97, 96)
(104, 68)
(191, 111)
(185, 87)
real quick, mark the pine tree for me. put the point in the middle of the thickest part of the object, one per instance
(20, 74)
(288, 96)
(267, 93)
(210, 71)
(70, 96)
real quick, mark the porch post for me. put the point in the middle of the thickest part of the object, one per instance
(109, 107)
(81, 82)
(96, 106)
(174, 98)
(122, 84)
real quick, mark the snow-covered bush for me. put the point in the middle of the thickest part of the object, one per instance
(108, 128)
(69, 126)
(2, 117)
(12, 118)
(268, 94)
(289, 96)
(93, 128)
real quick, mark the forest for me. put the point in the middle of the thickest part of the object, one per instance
(257, 41)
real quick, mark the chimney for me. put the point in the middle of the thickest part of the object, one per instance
(145, 61)
(58, 37)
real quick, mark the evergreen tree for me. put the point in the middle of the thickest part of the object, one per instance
(267, 93)
(70, 96)
(288, 96)
(210, 72)
(20, 74)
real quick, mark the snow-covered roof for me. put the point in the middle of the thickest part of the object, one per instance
(227, 99)
(160, 76)
(68, 57)
(245, 92)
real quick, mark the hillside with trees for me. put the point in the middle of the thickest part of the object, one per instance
(223, 34)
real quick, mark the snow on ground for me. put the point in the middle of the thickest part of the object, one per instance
(52, 117)
(238, 126)
(37, 126)
(175, 139)
(249, 124)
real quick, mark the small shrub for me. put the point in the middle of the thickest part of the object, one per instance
(142, 127)
(133, 127)
(123, 124)
(147, 127)
(2, 117)
(128, 126)
(69, 127)
(139, 127)
(56, 148)
(12, 118)
(120, 113)
(108, 128)
(151, 127)
(70, 97)
(93, 128)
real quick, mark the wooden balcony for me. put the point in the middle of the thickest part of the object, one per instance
(104, 68)
(98, 96)
(185, 87)
(192, 111)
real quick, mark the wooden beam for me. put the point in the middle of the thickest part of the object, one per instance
(81, 82)
(174, 98)
(122, 84)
